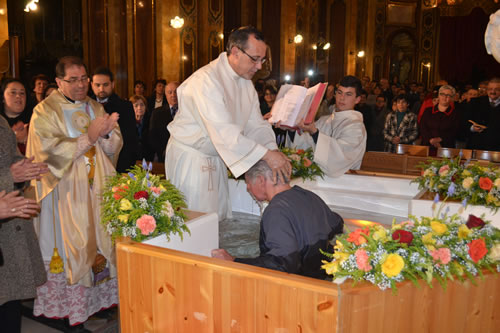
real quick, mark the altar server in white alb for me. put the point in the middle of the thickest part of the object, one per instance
(219, 124)
(339, 139)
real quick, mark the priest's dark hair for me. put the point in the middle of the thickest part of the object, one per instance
(66, 62)
(103, 71)
(350, 81)
(239, 37)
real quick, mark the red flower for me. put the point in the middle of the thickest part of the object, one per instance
(300, 151)
(477, 249)
(117, 195)
(474, 222)
(402, 236)
(485, 183)
(141, 194)
(307, 162)
(356, 237)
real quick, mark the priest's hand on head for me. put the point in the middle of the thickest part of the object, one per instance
(14, 205)
(279, 164)
(222, 254)
(25, 170)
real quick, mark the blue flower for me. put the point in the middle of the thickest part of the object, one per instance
(464, 202)
(451, 189)
(436, 198)
(461, 154)
(467, 163)
(150, 167)
(144, 164)
(131, 175)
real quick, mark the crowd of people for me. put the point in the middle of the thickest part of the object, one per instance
(77, 131)
(443, 116)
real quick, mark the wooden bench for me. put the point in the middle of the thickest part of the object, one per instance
(384, 162)
(412, 150)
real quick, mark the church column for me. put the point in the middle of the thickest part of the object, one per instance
(350, 36)
(288, 32)
(168, 41)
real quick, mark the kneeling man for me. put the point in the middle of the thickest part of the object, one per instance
(295, 225)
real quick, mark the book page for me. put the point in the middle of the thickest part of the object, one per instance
(311, 92)
(287, 104)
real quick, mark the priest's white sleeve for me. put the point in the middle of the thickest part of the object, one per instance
(259, 129)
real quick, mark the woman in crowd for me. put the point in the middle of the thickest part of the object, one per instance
(139, 88)
(400, 126)
(269, 99)
(440, 123)
(49, 89)
(14, 110)
(21, 265)
(142, 124)
(157, 98)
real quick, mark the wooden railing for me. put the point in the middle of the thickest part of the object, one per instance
(164, 290)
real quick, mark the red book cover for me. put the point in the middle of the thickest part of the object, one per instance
(313, 109)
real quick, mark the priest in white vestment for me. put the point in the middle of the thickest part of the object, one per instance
(80, 143)
(219, 124)
(339, 139)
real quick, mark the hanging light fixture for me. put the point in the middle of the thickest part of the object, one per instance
(177, 22)
(31, 6)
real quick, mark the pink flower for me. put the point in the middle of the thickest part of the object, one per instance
(147, 224)
(443, 171)
(363, 261)
(156, 190)
(441, 256)
(409, 224)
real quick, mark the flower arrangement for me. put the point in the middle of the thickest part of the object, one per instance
(140, 205)
(469, 183)
(302, 163)
(445, 248)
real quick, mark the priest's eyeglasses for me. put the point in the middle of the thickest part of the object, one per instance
(73, 81)
(254, 59)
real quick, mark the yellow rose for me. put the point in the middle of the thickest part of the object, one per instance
(380, 234)
(428, 172)
(330, 267)
(429, 241)
(467, 182)
(438, 228)
(123, 218)
(459, 269)
(490, 198)
(393, 265)
(466, 173)
(125, 204)
(338, 246)
(495, 252)
(162, 188)
(497, 183)
(463, 231)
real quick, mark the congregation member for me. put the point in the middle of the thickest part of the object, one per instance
(485, 111)
(375, 134)
(49, 89)
(440, 123)
(40, 82)
(365, 110)
(15, 110)
(80, 142)
(21, 265)
(157, 98)
(339, 139)
(400, 126)
(270, 93)
(327, 106)
(220, 124)
(141, 125)
(103, 86)
(295, 226)
(158, 134)
(139, 88)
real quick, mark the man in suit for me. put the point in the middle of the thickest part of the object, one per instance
(103, 85)
(485, 111)
(160, 118)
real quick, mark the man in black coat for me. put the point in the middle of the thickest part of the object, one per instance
(103, 85)
(160, 118)
(484, 133)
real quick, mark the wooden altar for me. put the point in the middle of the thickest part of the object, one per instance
(163, 290)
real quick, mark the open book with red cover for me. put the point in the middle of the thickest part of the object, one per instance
(295, 103)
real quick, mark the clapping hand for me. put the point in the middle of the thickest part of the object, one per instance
(101, 126)
(14, 205)
(25, 170)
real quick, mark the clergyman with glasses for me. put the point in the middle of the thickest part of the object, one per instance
(339, 139)
(219, 126)
(80, 143)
